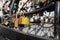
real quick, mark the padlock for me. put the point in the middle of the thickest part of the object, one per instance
(16, 22)
(25, 21)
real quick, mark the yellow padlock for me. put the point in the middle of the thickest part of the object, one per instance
(25, 20)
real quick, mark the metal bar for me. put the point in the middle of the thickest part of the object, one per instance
(41, 10)
(14, 35)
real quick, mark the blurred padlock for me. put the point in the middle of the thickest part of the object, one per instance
(25, 21)
(16, 22)
(42, 19)
(31, 20)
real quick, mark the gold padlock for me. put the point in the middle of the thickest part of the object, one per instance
(25, 20)
(6, 23)
(16, 22)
